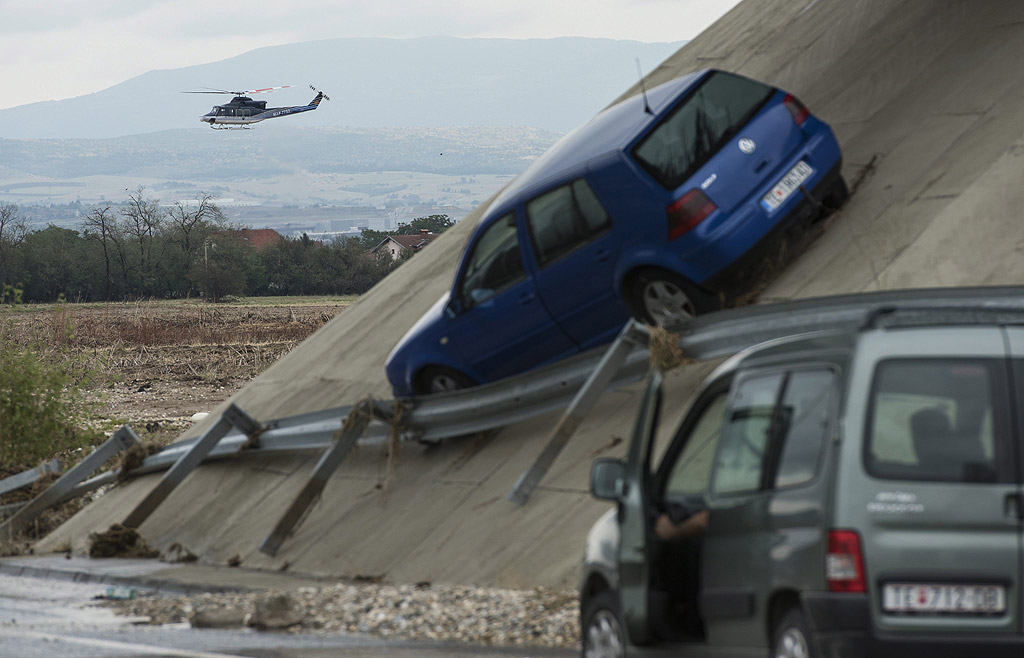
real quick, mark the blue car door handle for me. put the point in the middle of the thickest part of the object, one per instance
(603, 255)
(526, 298)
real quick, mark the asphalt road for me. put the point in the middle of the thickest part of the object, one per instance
(43, 618)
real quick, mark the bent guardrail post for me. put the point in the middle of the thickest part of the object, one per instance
(233, 416)
(346, 437)
(632, 335)
(122, 439)
(25, 478)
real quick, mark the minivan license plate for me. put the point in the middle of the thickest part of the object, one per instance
(944, 599)
(785, 187)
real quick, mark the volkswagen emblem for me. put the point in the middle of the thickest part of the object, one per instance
(747, 145)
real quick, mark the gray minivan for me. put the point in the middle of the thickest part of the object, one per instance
(863, 497)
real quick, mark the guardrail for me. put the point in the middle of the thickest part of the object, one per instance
(575, 383)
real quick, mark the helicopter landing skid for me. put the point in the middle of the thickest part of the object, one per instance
(221, 126)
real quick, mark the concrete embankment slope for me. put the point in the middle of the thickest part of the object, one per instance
(926, 98)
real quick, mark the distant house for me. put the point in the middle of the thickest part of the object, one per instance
(259, 238)
(397, 245)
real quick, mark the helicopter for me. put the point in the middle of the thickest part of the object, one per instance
(243, 111)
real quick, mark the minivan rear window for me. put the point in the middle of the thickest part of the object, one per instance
(694, 131)
(939, 420)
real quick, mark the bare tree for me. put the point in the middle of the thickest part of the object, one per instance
(142, 218)
(13, 229)
(101, 225)
(186, 217)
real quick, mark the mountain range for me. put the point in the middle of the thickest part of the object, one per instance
(550, 84)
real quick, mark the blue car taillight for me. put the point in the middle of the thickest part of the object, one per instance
(796, 108)
(687, 212)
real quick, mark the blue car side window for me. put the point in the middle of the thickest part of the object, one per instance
(564, 218)
(494, 264)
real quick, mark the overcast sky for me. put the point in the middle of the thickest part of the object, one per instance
(56, 49)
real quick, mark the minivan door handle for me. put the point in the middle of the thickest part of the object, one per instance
(603, 255)
(1013, 505)
(526, 298)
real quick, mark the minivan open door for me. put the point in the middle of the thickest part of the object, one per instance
(634, 563)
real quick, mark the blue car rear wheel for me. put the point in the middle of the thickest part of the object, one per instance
(665, 299)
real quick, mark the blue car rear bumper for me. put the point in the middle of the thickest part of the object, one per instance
(750, 224)
(735, 277)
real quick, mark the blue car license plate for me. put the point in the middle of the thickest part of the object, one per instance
(785, 187)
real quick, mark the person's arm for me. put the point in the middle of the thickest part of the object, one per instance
(695, 524)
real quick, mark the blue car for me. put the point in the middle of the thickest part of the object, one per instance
(653, 209)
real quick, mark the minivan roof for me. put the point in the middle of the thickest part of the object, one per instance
(610, 130)
(816, 344)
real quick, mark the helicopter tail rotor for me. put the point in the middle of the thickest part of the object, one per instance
(326, 97)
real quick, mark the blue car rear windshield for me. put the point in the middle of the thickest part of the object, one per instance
(694, 131)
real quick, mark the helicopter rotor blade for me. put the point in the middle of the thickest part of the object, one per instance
(211, 90)
(266, 90)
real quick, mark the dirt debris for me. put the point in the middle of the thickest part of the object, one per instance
(479, 615)
(119, 541)
(664, 349)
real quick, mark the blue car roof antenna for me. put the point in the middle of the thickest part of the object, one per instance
(643, 88)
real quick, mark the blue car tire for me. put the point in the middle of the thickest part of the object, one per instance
(441, 379)
(662, 298)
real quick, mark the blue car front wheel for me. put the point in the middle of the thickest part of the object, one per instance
(441, 379)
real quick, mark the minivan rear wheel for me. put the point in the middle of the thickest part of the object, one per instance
(602, 628)
(791, 638)
(666, 299)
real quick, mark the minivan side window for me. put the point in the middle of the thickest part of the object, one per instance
(698, 127)
(745, 435)
(565, 218)
(691, 472)
(939, 420)
(804, 416)
(495, 263)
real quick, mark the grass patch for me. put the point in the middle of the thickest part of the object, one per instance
(42, 410)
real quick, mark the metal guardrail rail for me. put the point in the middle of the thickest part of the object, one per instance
(123, 439)
(25, 478)
(575, 383)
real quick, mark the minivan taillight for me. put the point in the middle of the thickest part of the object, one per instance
(796, 108)
(844, 563)
(686, 212)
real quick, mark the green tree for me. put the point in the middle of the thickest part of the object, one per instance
(53, 263)
(433, 223)
(222, 269)
(370, 238)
